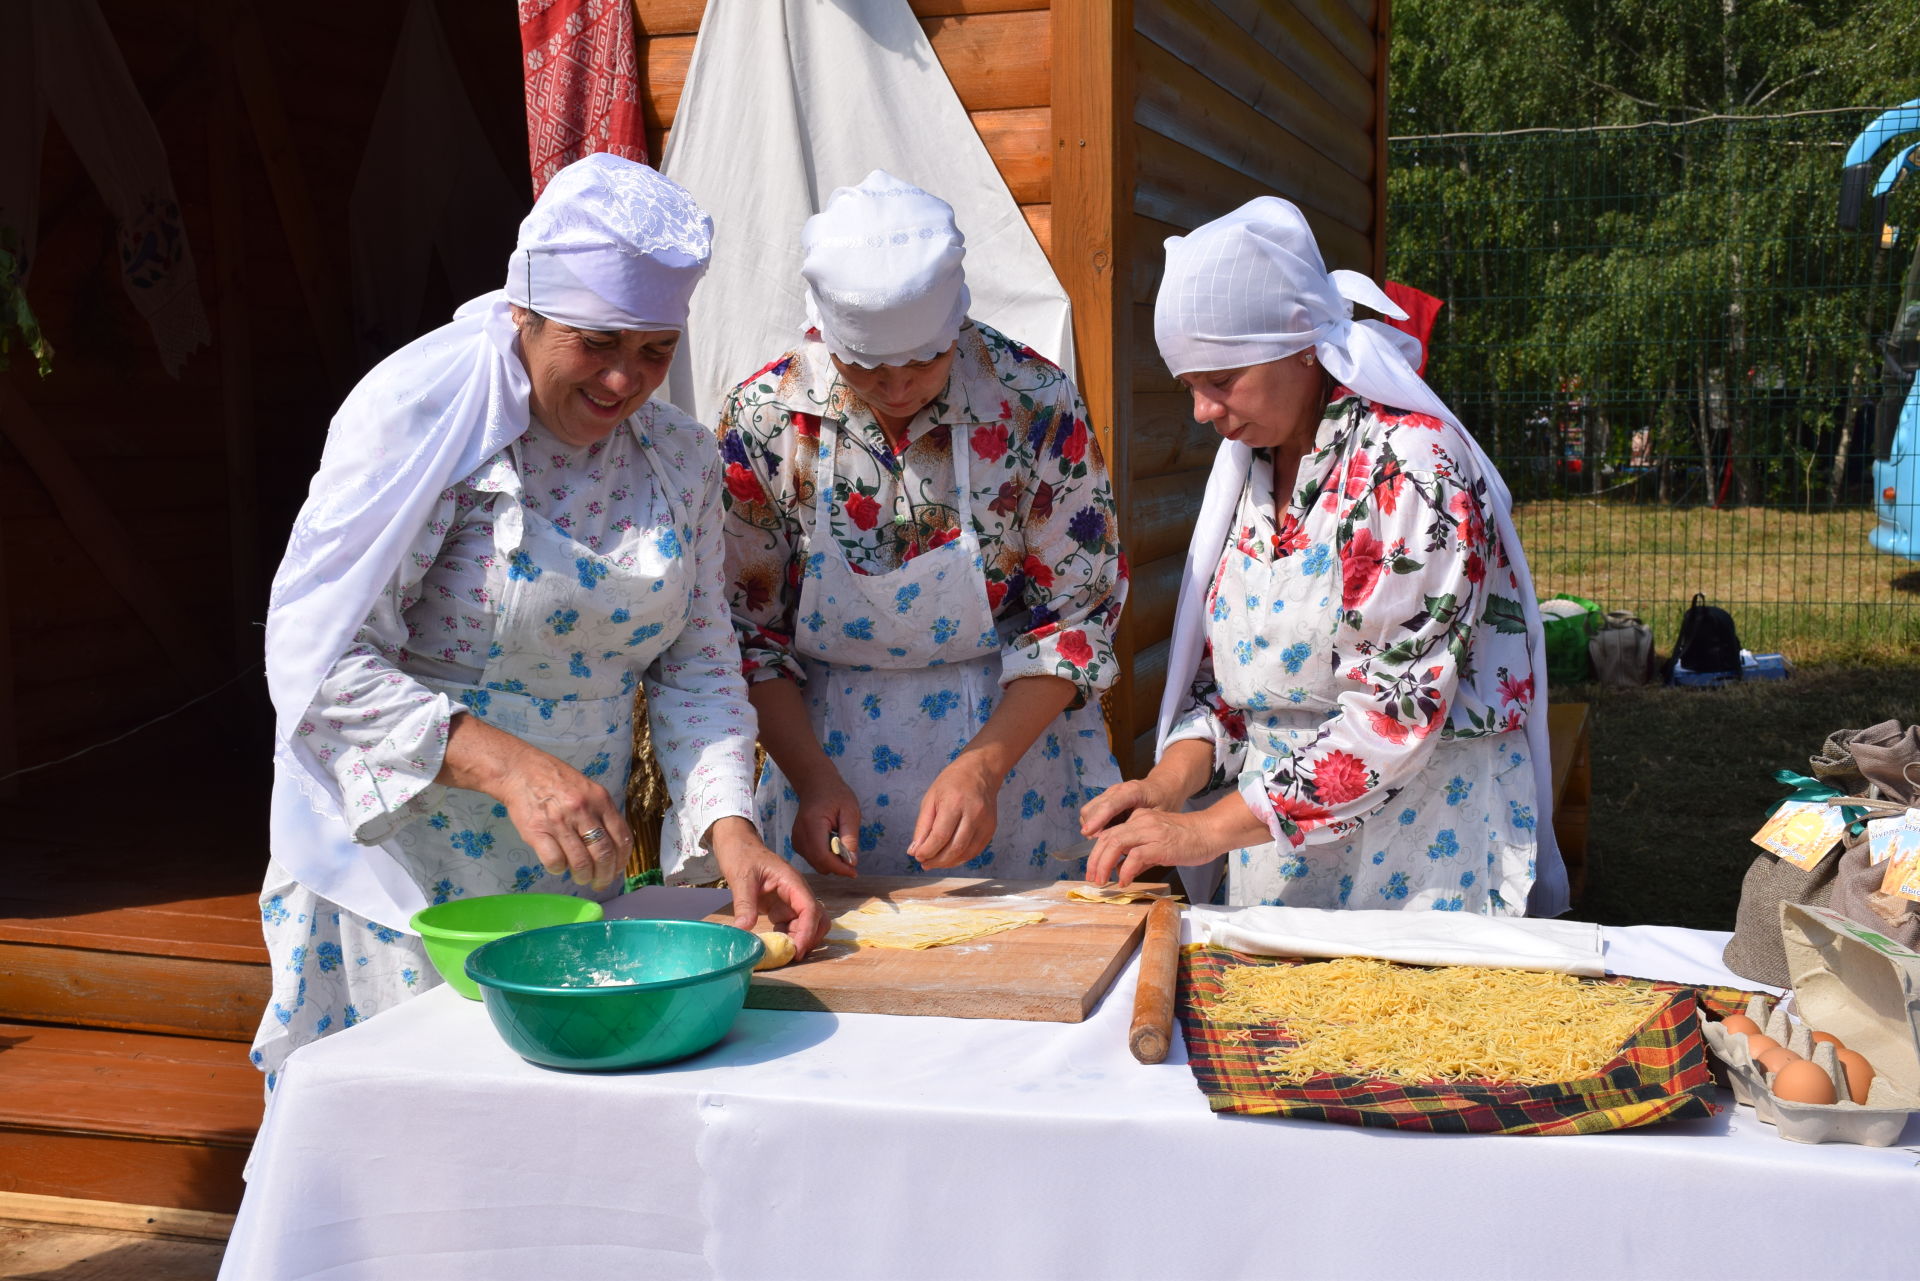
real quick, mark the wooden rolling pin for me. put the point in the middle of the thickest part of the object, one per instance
(1153, 997)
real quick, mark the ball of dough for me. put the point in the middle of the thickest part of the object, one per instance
(779, 950)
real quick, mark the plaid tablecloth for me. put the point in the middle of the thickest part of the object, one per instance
(1659, 1075)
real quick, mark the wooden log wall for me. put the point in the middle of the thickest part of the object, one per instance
(1233, 99)
(998, 53)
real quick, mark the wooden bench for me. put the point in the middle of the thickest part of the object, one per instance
(1568, 726)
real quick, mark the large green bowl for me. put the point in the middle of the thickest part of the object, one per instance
(615, 994)
(453, 929)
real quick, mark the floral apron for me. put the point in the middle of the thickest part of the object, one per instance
(1458, 837)
(573, 626)
(902, 676)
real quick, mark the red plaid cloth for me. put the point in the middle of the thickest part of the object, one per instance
(1660, 1074)
(583, 83)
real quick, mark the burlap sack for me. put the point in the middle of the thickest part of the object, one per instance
(1755, 950)
(1881, 761)
(1857, 896)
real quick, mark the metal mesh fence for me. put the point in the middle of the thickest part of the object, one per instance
(1667, 343)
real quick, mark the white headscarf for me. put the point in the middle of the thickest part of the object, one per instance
(609, 245)
(882, 262)
(1249, 288)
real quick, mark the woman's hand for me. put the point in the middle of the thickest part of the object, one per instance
(1181, 771)
(958, 814)
(763, 883)
(1157, 838)
(554, 807)
(827, 806)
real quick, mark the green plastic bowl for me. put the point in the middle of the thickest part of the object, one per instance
(452, 930)
(615, 994)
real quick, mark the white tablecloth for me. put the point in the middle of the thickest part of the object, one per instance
(852, 1146)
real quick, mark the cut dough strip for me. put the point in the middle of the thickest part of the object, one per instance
(1135, 893)
(923, 925)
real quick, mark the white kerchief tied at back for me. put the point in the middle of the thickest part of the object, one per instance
(1252, 287)
(882, 262)
(609, 245)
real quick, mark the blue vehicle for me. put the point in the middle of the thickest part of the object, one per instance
(1896, 436)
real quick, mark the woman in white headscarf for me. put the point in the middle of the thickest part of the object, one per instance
(923, 562)
(506, 536)
(1356, 664)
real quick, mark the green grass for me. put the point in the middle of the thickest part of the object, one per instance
(1682, 778)
(1802, 583)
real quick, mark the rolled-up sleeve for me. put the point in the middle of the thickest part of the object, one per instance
(1072, 573)
(702, 725)
(381, 733)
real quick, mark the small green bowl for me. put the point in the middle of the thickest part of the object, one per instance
(453, 929)
(615, 994)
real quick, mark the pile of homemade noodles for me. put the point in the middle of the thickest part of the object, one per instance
(1367, 1018)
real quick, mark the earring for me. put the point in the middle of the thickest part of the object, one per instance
(1310, 362)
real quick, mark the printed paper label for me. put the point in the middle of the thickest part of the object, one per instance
(1802, 832)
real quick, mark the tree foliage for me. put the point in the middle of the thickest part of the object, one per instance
(1634, 225)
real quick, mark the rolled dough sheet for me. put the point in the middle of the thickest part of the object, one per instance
(923, 925)
(1136, 893)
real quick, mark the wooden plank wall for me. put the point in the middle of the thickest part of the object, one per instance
(1233, 99)
(998, 53)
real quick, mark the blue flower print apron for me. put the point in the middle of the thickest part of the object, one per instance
(572, 628)
(1452, 839)
(903, 669)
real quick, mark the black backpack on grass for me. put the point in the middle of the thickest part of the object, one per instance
(1708, 642)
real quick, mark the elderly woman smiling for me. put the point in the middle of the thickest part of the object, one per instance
(1357, 650)
(505, 538)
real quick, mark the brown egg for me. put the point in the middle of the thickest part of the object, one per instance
(1859, 1074)
(1830, 1038)
(1802, 1082)
(1758, 1045)
(1778, 1057)
(1740, 1023)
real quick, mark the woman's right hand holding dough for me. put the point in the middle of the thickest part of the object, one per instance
(552, 805)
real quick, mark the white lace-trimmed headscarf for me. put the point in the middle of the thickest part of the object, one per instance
(882, 262)
(610, 245)
(1249, 288)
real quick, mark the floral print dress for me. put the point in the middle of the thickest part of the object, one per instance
(1367, 677)
(546, 587)
(904, 588)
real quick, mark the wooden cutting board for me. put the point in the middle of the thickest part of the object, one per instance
(1051, 971)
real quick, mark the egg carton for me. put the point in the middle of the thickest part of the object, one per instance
(1862, 987)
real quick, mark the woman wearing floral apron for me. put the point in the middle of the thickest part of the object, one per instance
(506, 537)
(1357, 660)
(923, 563)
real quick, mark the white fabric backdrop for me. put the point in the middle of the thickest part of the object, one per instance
(788, 99)
(853, 1146)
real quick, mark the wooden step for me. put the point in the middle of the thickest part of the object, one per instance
(196, 967)
(125, 1116)
(43, 1236)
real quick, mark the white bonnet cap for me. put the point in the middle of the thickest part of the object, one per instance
(611, 244)
(1252, 287)
(882, 262)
